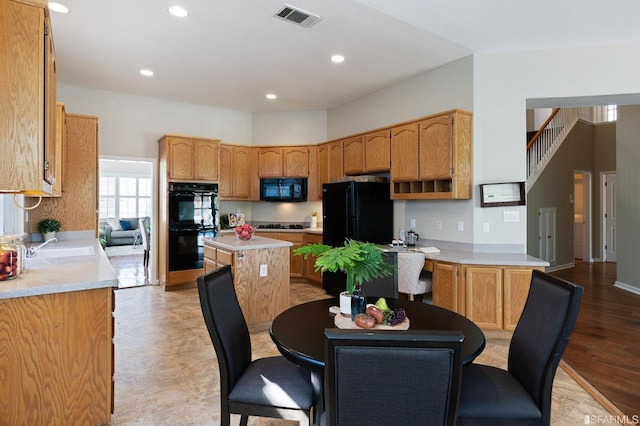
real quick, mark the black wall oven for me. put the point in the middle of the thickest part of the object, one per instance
(193, 216)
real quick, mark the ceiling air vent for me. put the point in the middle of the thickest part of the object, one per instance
(297, 16)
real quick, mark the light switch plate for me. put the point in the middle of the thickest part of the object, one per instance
(263, 270)
(511, 216)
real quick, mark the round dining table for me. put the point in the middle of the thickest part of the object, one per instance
(298, 333)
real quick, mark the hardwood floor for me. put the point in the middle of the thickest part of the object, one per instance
(605, 344)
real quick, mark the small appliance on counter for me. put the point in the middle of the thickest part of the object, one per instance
(412, 238)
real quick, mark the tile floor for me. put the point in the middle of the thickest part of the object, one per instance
(166, 371)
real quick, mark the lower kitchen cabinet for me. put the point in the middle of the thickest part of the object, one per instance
(492, 296)
(57, 363)
(310, 272)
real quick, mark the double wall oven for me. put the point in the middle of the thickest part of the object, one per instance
(193, 216)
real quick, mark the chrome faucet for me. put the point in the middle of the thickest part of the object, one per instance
(31, 251)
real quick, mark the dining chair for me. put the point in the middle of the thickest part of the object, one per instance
(266, 387)
(144, 235)
(411, 281)
(391, 377)
(521, 395)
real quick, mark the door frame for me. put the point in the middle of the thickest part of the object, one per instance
(603, 212)
(587, 245)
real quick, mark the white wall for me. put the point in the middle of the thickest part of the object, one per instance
(291, 128)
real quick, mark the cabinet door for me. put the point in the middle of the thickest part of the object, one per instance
(404, 152)
(296, 161)
(446, 290)
(323, 166)
(60, 126)
(52, 167)
(241, 172)
(516, 289)
(225, 183)
(310, 262)
(377, 151)
(483, 296)
(180, 161)
(205, 160)
(354, 154)
(335, 160)
(270, 162)
(435, 147)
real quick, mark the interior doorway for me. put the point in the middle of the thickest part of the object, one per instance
(128, 190)
(582, 239)
(609, 217)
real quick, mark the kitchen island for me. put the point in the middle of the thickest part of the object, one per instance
(260, 272)
(56, 337)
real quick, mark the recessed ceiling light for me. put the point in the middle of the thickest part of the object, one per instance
(57, 7)
(178, 11)
(271, 96)
(337, 59)
(146, 73)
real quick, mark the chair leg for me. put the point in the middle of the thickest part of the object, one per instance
(411, 297)
(244, 419)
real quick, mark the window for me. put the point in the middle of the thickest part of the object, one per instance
(125, 196)
(612, 112)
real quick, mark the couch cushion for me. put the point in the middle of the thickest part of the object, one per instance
(114, 224)
(123, 234)
(125, 225)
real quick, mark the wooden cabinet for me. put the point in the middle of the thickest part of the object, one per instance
(330, 163)
(59, 147)
(323, 166)
(190, 159)
(442, 146)
(377, 150)
(290, 161)
(336, 157)
(27, 122)
(447, 291)
(57, 363)
(354, 152)
(492, 296)
(76, 208)
(310, 272)
(296, 263)
(235, 172)
(261, 297)
(483, 296)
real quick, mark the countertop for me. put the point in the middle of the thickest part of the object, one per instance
(48, 275)
(474, 258)
(233, 243)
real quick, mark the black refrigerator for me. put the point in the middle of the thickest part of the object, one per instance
(357, 210)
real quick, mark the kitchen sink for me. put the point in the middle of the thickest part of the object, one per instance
(49, 252)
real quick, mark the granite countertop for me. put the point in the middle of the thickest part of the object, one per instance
(49, 273)
(232, 242)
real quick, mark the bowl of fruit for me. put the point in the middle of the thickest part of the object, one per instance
(245, 231)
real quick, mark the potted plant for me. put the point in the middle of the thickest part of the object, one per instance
(48, 228)
(360, 261)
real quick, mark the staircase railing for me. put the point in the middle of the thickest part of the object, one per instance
(546, 141)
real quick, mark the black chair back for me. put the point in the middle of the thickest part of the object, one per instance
(542, 335)
(226, 324)
(389, 377)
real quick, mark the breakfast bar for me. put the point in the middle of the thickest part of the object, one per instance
(260, 272)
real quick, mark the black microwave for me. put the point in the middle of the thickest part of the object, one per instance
(293, 189)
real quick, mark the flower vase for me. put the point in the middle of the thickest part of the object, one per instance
(314, 222)
(48, 235)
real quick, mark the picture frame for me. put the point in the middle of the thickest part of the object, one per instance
(236, 219)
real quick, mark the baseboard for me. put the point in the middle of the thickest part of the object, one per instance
(627, 287)
(601, 399)
(559, 267)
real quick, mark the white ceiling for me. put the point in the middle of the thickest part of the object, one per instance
(230, 53)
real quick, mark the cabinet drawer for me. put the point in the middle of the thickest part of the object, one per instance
(209, 253)
(224, 257)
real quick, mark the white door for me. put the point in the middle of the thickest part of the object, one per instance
(547, 236)
(610, 244)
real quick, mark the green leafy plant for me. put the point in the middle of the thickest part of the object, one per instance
(48, 225)
(361, 261)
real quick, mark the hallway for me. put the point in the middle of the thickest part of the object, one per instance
(604, 347)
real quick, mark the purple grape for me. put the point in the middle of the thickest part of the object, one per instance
(398, 316)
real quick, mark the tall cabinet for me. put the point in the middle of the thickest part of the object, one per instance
(77, 207)
(27, 122)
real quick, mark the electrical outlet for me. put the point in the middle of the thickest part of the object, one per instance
(413, 223)
(263, 270)
(438, 224)
(485, 227)
(511, 216)
(460, 226)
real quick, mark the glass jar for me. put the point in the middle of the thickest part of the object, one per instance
(10, 257)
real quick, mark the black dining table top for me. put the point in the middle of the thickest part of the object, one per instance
(298, 332)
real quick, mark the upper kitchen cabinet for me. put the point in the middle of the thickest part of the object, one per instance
(330, 157)
(353, 151)
(367, 153)
(27, 124)
(235, 172)
(431, 158)
(59, 150)
(189, 158)
(289, 161)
